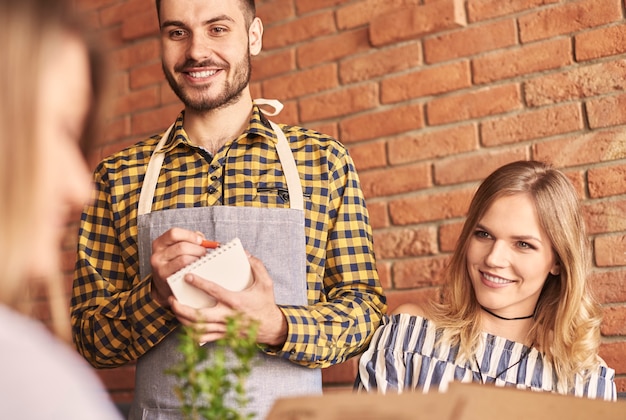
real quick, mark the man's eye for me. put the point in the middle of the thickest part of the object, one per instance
(218, 30)
(177, 33)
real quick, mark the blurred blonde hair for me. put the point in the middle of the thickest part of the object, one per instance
(31, 33)
(567, 319)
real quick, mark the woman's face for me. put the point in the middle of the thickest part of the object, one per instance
(64, 183)
(509, 257)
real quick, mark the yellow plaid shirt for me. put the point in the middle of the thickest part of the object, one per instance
(114, 318)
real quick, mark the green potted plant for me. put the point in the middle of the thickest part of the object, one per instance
(208, 381)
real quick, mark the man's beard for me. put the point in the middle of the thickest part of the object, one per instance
(200, 101)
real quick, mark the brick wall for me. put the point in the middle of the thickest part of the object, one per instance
(429, 96)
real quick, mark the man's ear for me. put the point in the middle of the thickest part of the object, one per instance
(255, 36)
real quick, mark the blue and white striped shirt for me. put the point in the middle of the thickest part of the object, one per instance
(404, 355)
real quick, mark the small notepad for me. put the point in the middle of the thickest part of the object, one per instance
(226, 265)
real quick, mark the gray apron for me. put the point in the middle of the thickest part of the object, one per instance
(277, 237)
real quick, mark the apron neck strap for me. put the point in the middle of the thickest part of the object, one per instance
(296, 200)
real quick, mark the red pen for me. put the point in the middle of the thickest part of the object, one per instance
(210, 244)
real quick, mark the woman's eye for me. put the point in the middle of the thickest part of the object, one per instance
(525, 245)
(481, 234)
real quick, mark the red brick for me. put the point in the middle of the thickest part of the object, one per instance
(474, 167)
(169, 97)
(433, 144)
(577, 83)
(420, 296)
(268, 65)
(151, 122)
(419, 272)
(330, 129)
(610, 250)
(137, 100)
(603, 42)
(606, 111)
(609, 286)
(470, 41)
(289, 114)
(116, 128)
(306, 6)
(430, 81)
(544, 122)
(382, 62)
(146, 75)
(272, 11)
(614, 321)
(613, 355)
(478, 10)
(299, 30)
(430, 207)
(395, 180)
(137, 54)
(339, 103)
(449, 235)
(140, 26)
(382, 123)
(605, 216)
(567, 18)
(332, 47)
(406, 243)
(607, 181)
(416, 21)
(86, 5)
(119, 378)
(362, 12)
(475, 104)
(598, 146)
(384, 274)
(369, 155)
(522, 61)
(301, 83)
(340, 373)
(379, 215)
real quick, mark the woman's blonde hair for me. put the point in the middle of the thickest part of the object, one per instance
(567, 320)
(31, 31)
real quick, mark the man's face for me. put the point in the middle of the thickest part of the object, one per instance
(206, 51)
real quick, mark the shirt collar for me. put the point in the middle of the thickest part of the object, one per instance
(258, 128)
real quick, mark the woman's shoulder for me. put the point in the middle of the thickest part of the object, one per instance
(415, 309)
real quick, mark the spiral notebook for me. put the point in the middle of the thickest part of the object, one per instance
(226, 265)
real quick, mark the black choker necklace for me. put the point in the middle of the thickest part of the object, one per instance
(507, 319)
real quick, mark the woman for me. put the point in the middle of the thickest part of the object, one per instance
(517, 309)
(49, 83)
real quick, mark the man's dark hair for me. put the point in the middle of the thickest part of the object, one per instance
(249, 10)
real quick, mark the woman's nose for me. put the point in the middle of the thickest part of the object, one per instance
(497, 255)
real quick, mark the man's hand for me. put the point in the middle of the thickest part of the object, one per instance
(170, 252)
(256, 303)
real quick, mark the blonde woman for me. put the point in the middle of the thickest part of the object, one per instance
(517, 309)
(48, 90)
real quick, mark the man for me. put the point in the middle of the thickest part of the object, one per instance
(223, 171)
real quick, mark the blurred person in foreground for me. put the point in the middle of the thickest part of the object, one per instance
(49, 85)
(517, 309)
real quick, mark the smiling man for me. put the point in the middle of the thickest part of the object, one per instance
(223, 170)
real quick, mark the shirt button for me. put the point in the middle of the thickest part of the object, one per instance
(215, 167)
(212, 190)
